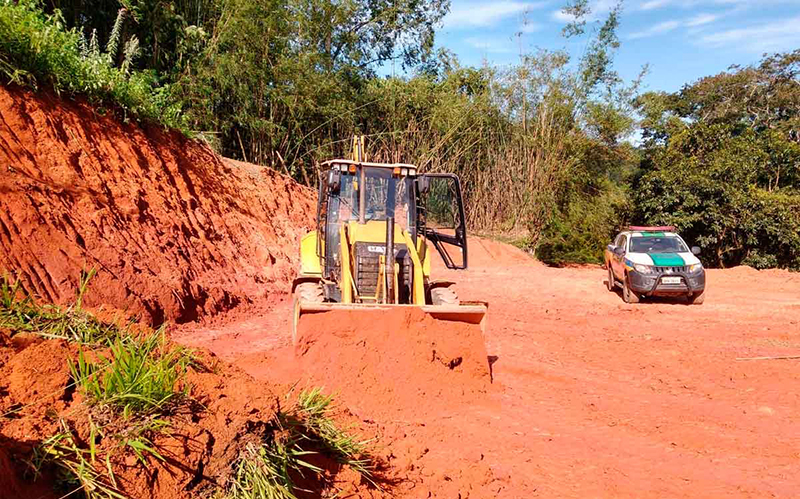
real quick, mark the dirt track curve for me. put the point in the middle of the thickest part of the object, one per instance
(591, 397)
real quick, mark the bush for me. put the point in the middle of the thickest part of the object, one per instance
(580, 233)
(37, 50)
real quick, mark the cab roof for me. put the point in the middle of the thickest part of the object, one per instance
(332, 163)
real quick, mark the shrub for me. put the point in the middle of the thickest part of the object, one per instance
(37, 50)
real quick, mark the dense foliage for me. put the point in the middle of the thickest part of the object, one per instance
(722, 163)
(37, 49)
(544, 147)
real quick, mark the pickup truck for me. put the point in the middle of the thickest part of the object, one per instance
(654, 261)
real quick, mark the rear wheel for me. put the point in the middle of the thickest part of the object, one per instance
(444, 296)
(610, 284)
(627, 293)
(309, 292)
(698, 299)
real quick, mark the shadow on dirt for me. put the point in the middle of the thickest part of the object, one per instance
(648, 300)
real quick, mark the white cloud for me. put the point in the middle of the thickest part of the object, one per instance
(484, 14)
(530, 27)
(657, 29)
(773, 36)
(653, 4)
(701, 19)
(492, 46)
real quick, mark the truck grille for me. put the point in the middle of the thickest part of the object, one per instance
(672, 270)
(367, 262)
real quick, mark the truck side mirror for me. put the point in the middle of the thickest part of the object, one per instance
(695, 250)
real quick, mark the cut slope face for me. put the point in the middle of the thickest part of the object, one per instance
(174, 231)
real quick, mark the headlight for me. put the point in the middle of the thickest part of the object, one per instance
(697, 267)
(643, 269)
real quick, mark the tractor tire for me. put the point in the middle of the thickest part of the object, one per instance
(698, 299)
(610, 284)
(627, 293)
(444, 296)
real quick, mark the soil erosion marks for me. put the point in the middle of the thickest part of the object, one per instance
(175, 232)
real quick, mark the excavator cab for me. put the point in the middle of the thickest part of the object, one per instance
(376, 223)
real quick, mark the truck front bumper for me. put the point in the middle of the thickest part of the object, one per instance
(673, 284)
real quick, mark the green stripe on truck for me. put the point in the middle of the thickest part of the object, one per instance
(667, 259)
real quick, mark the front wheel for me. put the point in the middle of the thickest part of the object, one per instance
(698, 299)
(610, 284)
(627, 293)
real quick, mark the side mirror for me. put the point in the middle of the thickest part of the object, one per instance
(619, 251)
(695, 250)
(423, 185)
(334, 181)
(611, 248)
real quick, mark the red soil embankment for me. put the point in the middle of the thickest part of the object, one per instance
(224, 411)
(175, 232)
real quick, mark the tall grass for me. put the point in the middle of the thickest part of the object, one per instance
(140, 375)
(19, 312)
(78, 468)
(38, 51)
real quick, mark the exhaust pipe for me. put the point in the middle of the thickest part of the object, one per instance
(389, 261)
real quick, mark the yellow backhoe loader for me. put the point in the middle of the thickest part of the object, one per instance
(371, 250)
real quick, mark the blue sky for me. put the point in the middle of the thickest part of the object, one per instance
(681, 40)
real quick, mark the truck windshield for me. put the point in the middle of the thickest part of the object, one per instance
(653, 244)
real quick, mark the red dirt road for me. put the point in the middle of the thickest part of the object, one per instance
(591, 397)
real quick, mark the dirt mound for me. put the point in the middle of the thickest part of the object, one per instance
(397, 361)
(226, 410)
(174, 231)
(490, 253)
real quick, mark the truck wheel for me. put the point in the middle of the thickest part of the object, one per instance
(698, 299)
(444, 296)
(610, 284)
(627, 293)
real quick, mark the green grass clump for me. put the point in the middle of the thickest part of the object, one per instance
(19, 312)
(266, 471)
(315, 424)
(36, 49)
(139, 376)
(77, 467)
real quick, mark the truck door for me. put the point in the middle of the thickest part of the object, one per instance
(619, 256)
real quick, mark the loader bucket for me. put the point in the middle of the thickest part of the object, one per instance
(395, 356)
(467, 312)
